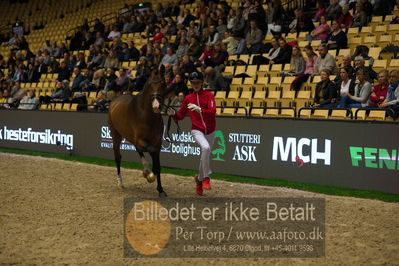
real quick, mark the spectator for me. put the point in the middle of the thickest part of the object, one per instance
(230, 43)
(55, 50)
(369, 74)
(32, 75)
(101, 103)
(213, 36)
(177, 101)
(18, 74)
(187, 66)
(64, 73)
(170, 57)
(81, 62)
(379, 93)
(179, 86)
(5, 100)
(345, 19)
(98, 82)
(297, 63)
(221, 28)
(17, 93)
(241, 44)
(99, 40)
(337, 38)
(41, 66)
(334, 10)
(98, 26)
(345, 83)
(97, 61)
(360, 17)
(142, 73)
(361, 94)
(309, 69)
(239, 23)
(368, 8)
(320, 32)
(157, 58)
(254, 38)
(46, 47)
(301, 23)
(321, 10)
(326, 91)
(218, 58)
(392, 99)
(115, 33)
(85, 26)
(347, 65)
(111, 61)
(284, 55)
(29, 102)
(54, 65)
(214, 80)
(182, 48)
(77, 80)
(325, 61)
(187, 17)
(134, 54)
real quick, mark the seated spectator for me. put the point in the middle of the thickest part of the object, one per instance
(345, 84)
(32, 75)
(214, 80)
(99, 40)
(134, 53)
(207, 54)
(18, 73)
(41, 66)
(179, 86)
(334, 10)
(379, 93)
(345, 19)
(213, 36)
(17, 93)
(187, 66)
(273, 53)
(347, 66)
(194, 48)
(177, 101)
(239, 22)
(29, 102)
(61, 94)
(46, 47)
(111, 61)
(187, 17)
(115, 33)
(337, 38)
(170, 57)
(81, 62)
(97, 61)
(309, 69)
(221, 28)
(54, 66)
(361, 94)
(320, 32)
(360, 18)
(241, 44)
(55, 50)
(142, 73)
(218, 58)
(101, 103)
(229, 42)
(64, 73)
(71, 63)
(368, 7)
(77, 80)
(321, 10)
(301, 23)
(5, 100)
(297, 63)
(158, 35)
(392, 99)
(98, 26)
(369, 73)
(182, 48)
(254, 38)
(325, 61)
(284, 55)
(326, 91)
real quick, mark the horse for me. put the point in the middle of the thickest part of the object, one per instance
(137, 118)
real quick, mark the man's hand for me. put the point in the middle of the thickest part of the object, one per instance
(194, 107)
(171, 112)
(383, 105)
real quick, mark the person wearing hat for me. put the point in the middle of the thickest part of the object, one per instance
(201, 108)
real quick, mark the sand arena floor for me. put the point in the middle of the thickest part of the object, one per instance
(56, 212)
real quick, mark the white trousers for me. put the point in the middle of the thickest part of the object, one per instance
(206, 143)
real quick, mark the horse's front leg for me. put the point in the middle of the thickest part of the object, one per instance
(156, 169)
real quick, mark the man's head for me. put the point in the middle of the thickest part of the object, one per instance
(393, 76)
(323, 50)
(324, 74)
(359, 61)
(346, 60)
(181, 96)
(196, 80)
(253, 24)
(76, 71)
(282, 42)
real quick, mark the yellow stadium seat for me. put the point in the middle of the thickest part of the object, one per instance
(272, 112)
(379, 65)
(272, 98)
(287, 112)
(220, 98)
(229, 111)
(263, 70)
(274, 83)
(66, 107)
(376, 115)
(239, 70)
(241, 111)
(338, 114)
(287, 98)
(302, 99)
(58, 107)
(258, 100)
(257, 112)
(74, 107)
(276, 69)
(318, 113)
(248, 84)
(235, 84)
(232, 98)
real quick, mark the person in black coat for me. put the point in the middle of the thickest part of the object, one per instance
(64, 73)
(326, 91)
(284, 55)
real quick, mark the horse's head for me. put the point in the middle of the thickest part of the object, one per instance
(156, 86)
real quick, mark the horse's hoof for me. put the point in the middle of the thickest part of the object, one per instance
(150, 178)
(162, 194)
(120, 185)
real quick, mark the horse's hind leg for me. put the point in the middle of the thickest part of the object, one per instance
(117, 139)
(156, 168)
(146, 171)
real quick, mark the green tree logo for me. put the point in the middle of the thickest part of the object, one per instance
(221, 146)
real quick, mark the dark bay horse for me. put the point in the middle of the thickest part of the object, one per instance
(138, 120)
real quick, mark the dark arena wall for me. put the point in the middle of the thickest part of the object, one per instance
(356, 155)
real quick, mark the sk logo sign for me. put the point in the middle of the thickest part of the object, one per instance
(220, 146)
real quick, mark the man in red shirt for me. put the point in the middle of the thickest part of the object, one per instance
(380, 91)
(200, 106)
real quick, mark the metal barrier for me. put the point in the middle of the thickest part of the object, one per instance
(388, 111)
